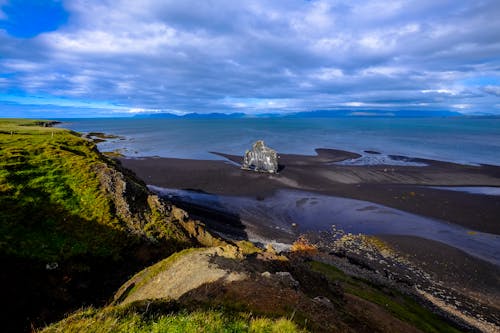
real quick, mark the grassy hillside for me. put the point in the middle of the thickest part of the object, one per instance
(227, 289)
(73, 224)
(53, 204)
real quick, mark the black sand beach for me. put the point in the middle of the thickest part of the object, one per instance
(408, 188)
(475, 283)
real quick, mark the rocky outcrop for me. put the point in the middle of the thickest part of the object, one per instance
(148, 216)
(261, 158)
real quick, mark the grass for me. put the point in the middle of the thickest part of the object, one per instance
(125, 319)
(399, 305)
(51, 205)
(247, 247)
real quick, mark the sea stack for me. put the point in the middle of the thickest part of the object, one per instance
(261, 158)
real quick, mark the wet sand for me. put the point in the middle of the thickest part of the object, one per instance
(407, 188)
(287, 214)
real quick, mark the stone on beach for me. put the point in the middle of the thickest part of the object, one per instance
(261, 158)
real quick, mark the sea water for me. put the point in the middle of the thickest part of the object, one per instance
(460, 139)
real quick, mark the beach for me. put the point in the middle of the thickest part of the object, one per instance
(450, 234)
(408, 188)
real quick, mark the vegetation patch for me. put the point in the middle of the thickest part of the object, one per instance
(399, 305)
(302, 245)
(247, 247)
(73, 221)
(166, 317)
(51, 206)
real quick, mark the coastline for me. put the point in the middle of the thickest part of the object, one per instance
(438, 272)
(407, 188)
(386, 268)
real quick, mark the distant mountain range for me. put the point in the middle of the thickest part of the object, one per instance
(309, 114)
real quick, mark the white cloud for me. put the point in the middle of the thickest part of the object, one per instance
(317, 19)
(461, 106)
(367, 105)
(20, 65)
(327, 74)
(354, 104)
(257, 103)
(384, 70)
(374, 42)
(440, 91)
(149, 38)
(494, 90)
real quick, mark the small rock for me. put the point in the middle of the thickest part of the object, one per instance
(266, 275)
(51, 266)
(288, 279)
(322, 300)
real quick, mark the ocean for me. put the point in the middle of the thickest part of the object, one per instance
(461, 140)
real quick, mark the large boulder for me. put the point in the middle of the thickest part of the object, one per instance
(261, 158)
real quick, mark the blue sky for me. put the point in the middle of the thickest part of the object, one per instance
(114, 58)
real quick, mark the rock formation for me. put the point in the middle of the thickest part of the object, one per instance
(261, 158)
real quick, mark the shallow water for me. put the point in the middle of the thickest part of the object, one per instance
(379, 160)
(314, 212)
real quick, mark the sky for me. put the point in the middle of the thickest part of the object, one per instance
(85, 58)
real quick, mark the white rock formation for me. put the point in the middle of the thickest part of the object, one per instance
(261, 158)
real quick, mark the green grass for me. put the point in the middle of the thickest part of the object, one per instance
(125, 319)
(52, 206)
(399, 305)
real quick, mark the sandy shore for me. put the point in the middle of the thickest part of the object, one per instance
(250, 205)
(406, 188)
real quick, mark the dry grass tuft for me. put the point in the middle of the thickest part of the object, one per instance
(302, 245)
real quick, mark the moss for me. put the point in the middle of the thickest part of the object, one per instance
(248, 247)
(399, 305)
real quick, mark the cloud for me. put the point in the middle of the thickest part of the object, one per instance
(440, 91)
(260, 56)
(493, 90)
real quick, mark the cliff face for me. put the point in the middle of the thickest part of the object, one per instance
(74, 224)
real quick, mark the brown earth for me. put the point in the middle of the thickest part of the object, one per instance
(263, 283)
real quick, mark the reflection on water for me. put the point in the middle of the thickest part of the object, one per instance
(315, 212)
